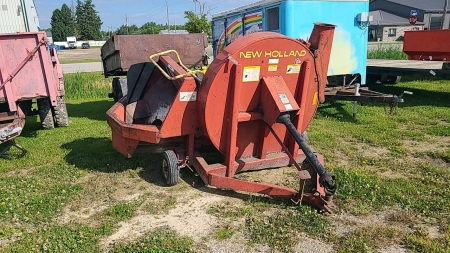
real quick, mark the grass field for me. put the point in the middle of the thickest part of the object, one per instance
(69, 61)
(73, 192)
(392, 52)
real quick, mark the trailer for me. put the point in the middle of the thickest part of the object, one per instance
(120, 52)
(29, 73)
(294, 18)
(425, 60)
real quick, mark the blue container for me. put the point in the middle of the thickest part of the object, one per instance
(296, 18)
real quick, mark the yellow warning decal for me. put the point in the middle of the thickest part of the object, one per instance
(316, 98)
(293, 68)
(251, 73)
(273, 68)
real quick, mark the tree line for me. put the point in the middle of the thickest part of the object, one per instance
(81, 21)
(196, 23)
(84, 23)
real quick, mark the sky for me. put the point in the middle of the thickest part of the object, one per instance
(113, 12)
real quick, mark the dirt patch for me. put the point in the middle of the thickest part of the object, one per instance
(307, 245)
(237, 243)
(100, 191)
(346, 223)
(190, 218)
(284, 176)
(391, 174)
(438, 144)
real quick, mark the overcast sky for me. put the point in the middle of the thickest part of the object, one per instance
(113, 12)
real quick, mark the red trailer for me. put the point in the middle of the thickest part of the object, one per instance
(427, 45)
(29, 72)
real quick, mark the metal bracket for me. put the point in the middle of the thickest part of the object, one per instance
(9, 144)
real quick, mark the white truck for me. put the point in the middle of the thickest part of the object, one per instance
(72, 42)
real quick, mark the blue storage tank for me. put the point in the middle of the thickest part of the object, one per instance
(295, 18)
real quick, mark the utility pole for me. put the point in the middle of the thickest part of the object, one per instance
(110, 29)
(126, 22)
(444, 15)
(168, 22)
(72, 10)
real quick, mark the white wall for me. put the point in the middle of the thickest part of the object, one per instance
(92, 43)
(11, 17)
(18, 16)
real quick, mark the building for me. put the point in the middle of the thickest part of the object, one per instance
(18, 16)
(388, 27)
(430, 12)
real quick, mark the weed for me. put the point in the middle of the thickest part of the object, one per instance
(391, 52)
(229, 211)
(160, 240)
(420, 241)
(281, 228)
(86, 85)
(67, 238)
(160, 203)
(370, 238)
(225, 231)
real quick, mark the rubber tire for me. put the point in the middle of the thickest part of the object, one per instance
(170, 169)
(45, 113)
(60, 113)
(393, 79)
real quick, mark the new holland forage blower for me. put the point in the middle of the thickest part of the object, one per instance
(255, 99)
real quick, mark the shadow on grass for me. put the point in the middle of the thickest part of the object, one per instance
(97, 154)
(336, 109)
(31, 127)
(95, 110)
(420, 97)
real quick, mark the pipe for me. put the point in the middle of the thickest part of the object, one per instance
(326, 179)
(321, 40)
(355, 104)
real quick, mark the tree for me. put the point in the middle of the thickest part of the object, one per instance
(197, 23)
(67, 20)
(58, 30)
(88, 22)
(150, 28)
(133, 29)
(63, 24)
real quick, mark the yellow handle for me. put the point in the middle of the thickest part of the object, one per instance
(188, 71)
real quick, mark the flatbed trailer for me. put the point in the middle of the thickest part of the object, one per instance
(391, 71)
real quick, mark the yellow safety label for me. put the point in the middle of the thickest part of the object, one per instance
(273, 68)
(293, 68)
(251, 73)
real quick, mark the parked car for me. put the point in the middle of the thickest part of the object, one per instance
(85, 46)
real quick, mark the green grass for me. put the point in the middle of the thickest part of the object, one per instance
(70, 171)
(87, 85)
(67, 61)
(384, 52)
